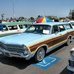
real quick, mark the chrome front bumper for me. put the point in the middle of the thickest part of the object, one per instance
(15, 54)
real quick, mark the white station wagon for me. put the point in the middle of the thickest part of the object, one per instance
(11, 28)
(38, 40)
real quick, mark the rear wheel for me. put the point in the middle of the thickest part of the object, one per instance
(72, 38)
(69, 40)
(40, 54)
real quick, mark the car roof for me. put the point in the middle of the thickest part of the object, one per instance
(71, 21)
(51, 23)
(17, 23)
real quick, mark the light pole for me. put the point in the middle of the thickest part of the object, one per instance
(2, 15)
(13, 9)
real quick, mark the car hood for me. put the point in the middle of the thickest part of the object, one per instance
(27, 39)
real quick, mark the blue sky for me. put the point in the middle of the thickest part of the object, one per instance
(28, 8)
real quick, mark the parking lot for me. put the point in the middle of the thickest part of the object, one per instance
(21, 66)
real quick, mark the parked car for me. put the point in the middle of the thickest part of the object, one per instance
(17, 26)
(37, 40)
(12, 28)
(70, 66)
(69, 28)
(72, 24)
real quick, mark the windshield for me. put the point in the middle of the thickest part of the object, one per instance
(39, 29)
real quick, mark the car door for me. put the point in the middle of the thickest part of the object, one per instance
(59, 34)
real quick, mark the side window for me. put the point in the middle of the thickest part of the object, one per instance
(13, 27)
(24, 26)
(61, 28)
(68, 26)
(21, 26)
(31, 29)
(55, 29)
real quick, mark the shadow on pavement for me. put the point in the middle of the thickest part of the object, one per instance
(20, 63)
(65, 71)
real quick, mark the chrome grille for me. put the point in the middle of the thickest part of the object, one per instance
(12, 48)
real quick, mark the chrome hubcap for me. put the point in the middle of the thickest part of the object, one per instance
(40, 55)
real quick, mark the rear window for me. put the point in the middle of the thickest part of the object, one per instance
(21, 26)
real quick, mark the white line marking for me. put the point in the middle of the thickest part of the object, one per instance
(44, 61)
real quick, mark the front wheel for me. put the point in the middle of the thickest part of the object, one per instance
(40, 54)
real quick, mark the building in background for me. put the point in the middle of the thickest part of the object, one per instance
(71, 14)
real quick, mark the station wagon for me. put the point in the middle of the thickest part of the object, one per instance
(17, 26)
(70, 66)
(12, 28)
(37, 40)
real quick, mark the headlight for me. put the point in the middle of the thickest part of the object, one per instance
(72, 52)
(25, 51)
